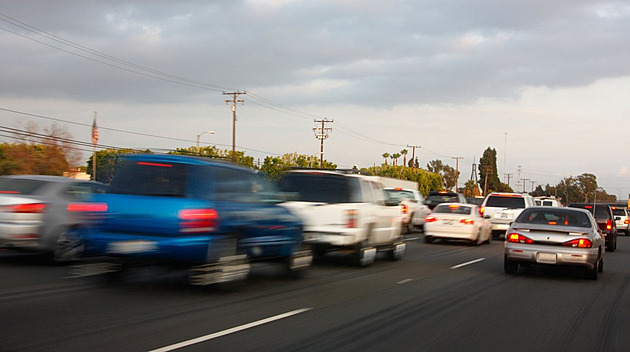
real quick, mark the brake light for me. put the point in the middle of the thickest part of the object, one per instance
(87, 207)
(154, 164)
(453, 206)
(467, 221)
(481, 210)
(430, 218)
(351, 219)
(405, 209)
(579, 243)
(518, 238)
(588, 206)
(197, 220)
(30, 208)
(608, 224)
(626, 221)
(9, 192)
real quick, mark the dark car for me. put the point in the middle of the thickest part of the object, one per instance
(437, 197)
(208, 216)
(605, 220)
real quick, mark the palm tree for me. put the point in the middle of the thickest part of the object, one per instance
(385, 155)
(395, 156)
(404, 153)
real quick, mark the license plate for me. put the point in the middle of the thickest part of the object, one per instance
(447, 222)
(546, 258)
(128, 247)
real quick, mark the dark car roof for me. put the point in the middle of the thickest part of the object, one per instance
(176, 158)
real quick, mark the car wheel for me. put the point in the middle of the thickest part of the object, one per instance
(600, 267)
(365, 256)
(509, 267)
(398, 251)
(592, 273)
(428, 239)
(610, 246)
(297, 264)
(68, 246)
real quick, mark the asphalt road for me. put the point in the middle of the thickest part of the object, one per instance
(440, 297)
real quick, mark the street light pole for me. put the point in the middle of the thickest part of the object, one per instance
(199, 135)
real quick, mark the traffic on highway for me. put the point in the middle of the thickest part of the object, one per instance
(204, 255)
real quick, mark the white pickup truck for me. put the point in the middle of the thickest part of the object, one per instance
(414, 209)
(345, 211)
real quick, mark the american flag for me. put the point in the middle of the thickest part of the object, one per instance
(94, 132)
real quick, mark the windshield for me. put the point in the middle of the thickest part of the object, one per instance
(555, 217)
(452, 209)
(398, 195)
(442, 198)
(321, 188)
(20, 186)
(506, 202)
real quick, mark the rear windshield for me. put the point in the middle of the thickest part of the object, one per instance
(150, 179)
(442, 198)
(506, 202)
(321, 188)
(398, 195)
(555, 217)
(20, 186)
(452, 209)
(619, 212)
(600, 210)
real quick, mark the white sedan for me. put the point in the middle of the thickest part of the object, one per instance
(457, 221)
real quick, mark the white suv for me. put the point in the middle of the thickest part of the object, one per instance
(503, 208)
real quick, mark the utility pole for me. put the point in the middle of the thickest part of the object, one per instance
(533, 182)
(321, 133)
(234, 100)
(486, 170)
(508, 176)
(524, 183)
(413, 154)
(457, 158)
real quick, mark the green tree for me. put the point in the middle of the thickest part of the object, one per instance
(488, 174)
(404, 153)
(385, 156)
(107, 163)
(32, 159)
(470, 189)
(213, 152)
(274, 166)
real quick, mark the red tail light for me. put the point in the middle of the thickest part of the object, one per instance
(518, 238)
(351, 219)
(481, 210)
(467, 221)
(626, 221)
(197, 220)
(608, 224)
(430, 218)
(31, 208)
(87, 207)
(405, 209)
(579, 243)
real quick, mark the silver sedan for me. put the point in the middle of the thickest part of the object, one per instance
(554, 236)
(37, 213)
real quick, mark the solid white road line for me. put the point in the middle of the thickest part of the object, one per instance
(230, 331)
(468, 263)
(402, 282)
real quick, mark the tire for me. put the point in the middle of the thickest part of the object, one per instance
(591, 274)
(610, 247)
(509, 267)
(600, 267)
(428, 239)
(305, 259)
(68, 247)
(365, 256)
(398, 251)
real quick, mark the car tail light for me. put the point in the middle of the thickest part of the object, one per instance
(608, 224)
(579, 243)
(626, 221)
(197, 220)
(481, 210)
(351, 219)
(430, 218)
(518, 238)
(87, 207)
(29, 208)
(467, 221)
(405, 209)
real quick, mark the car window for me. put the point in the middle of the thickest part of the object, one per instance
(81, 191)
(241, 186)
(21, 186)
(556, 217)
(619, 212)
(150, 179)
(325, 188)
(506, 202)
(452, 209)
(442, 198)
(398, 194)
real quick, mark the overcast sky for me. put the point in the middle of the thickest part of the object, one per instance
(545, 83)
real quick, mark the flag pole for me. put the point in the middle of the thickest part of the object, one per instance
(94, 142)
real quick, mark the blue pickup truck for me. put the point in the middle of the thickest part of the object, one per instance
(211, 217)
